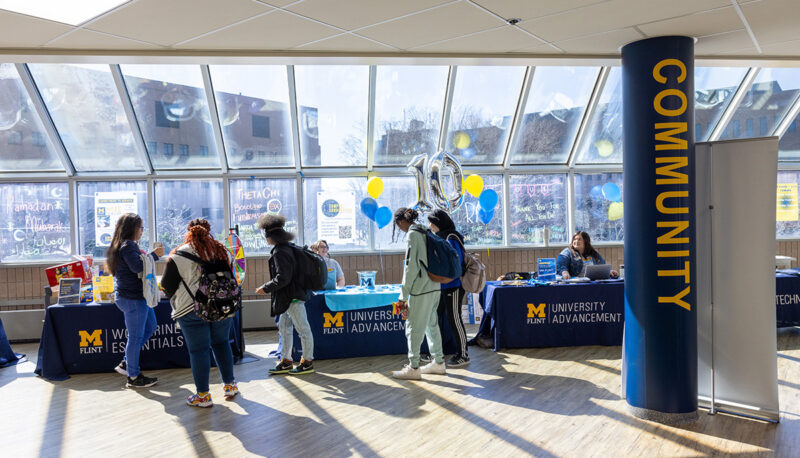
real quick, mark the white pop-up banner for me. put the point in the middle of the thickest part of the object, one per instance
(737, 338)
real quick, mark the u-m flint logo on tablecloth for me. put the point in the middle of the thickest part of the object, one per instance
(537, 313)
(95, 339)
(334, 324)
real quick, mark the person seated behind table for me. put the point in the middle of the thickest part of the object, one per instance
(335, 273)
(579, 253)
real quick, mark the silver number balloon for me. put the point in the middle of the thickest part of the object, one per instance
(417, 168)
(438, 165)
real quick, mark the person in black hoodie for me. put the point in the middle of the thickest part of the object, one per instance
(452, 293)
(288, 297)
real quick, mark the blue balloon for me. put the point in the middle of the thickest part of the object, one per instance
(488, 199)
(611, 192)
(383, 216)
(596, 193)
(485, 215)
(368, 207)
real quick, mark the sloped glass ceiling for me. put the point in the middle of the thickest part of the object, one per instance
(86, 109)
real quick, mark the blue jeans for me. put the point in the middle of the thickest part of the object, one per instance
(296, 317)
(202, 336)
(140, 320)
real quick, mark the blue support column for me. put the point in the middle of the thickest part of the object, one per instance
(659, 172)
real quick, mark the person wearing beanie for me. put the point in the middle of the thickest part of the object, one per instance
(288, 297)
(452, 293)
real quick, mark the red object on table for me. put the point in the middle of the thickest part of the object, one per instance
(75, 269)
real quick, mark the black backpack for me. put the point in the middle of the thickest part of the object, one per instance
(219, 295)
(311, 271)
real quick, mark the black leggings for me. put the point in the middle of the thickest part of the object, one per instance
(450, 306)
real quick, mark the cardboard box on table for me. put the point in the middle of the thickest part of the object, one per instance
(80, 268)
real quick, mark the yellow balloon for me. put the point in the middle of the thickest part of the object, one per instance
(615, 211)
(375, 187)
(604, 148)
(474, 185)
(461, 140)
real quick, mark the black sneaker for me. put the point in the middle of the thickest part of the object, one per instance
(283, 367)
(141, 381)
(305, 367)
(122, 368)
(458, 361)
(425, 358)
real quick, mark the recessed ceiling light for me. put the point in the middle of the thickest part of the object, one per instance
(68, 12)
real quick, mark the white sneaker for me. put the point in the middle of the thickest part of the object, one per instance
(407, 373)
(433, 368)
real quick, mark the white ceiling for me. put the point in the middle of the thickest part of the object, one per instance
(460, 28)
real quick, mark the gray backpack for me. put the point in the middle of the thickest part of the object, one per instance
(474, 278)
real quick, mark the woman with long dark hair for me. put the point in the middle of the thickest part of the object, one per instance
(123, 261)
(579, 253)
(181, 281)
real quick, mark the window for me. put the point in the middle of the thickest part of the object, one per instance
(35, 222)
(538, 209)
(713, 89)
(598, 206)
(85, 106)
(789, 145)
(17, 118)
(203, 150)
(260, 126)
(152, 147)
(251, 198)
(184, 151)
(332, 211)
(167, 149)
(397, 192)
(735, 127)
(253, 105)
(467, 218)
(99, 205)
(177, 93)
(602, 141)
(698, 131)
(180, 201)
(332, 110)
(484, 101)
(553, 112)
(748, 130)
(15, 137)
(408, 112)
(769, 98)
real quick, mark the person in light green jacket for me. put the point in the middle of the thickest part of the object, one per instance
(421, 294)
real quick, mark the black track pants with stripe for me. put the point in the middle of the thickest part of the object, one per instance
(450, 309)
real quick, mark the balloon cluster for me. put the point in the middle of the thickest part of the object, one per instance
(487, 198)
(369, 206)
(609, 191)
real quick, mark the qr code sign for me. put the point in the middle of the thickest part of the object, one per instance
(345, 232)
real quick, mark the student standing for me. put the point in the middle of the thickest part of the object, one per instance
(288, 297)
(421, 294)
(452, 293)
(181, 282)
(124, 263)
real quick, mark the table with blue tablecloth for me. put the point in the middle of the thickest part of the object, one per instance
(354, 322)
(560, 315)
(7, 355)
(89, 338)
(787, 298)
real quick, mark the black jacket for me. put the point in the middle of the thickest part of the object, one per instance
(283, 285)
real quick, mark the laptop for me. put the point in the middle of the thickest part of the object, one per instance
(597, 271)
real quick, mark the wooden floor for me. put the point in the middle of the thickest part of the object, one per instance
(543, 402)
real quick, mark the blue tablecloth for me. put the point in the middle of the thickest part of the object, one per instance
(79, 339)
(369, 331)
(7, 355)
(353, 298)
(553, 316)
(787, 299)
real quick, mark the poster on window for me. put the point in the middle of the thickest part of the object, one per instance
(108, 207)
(787, 202)
(336, 215)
